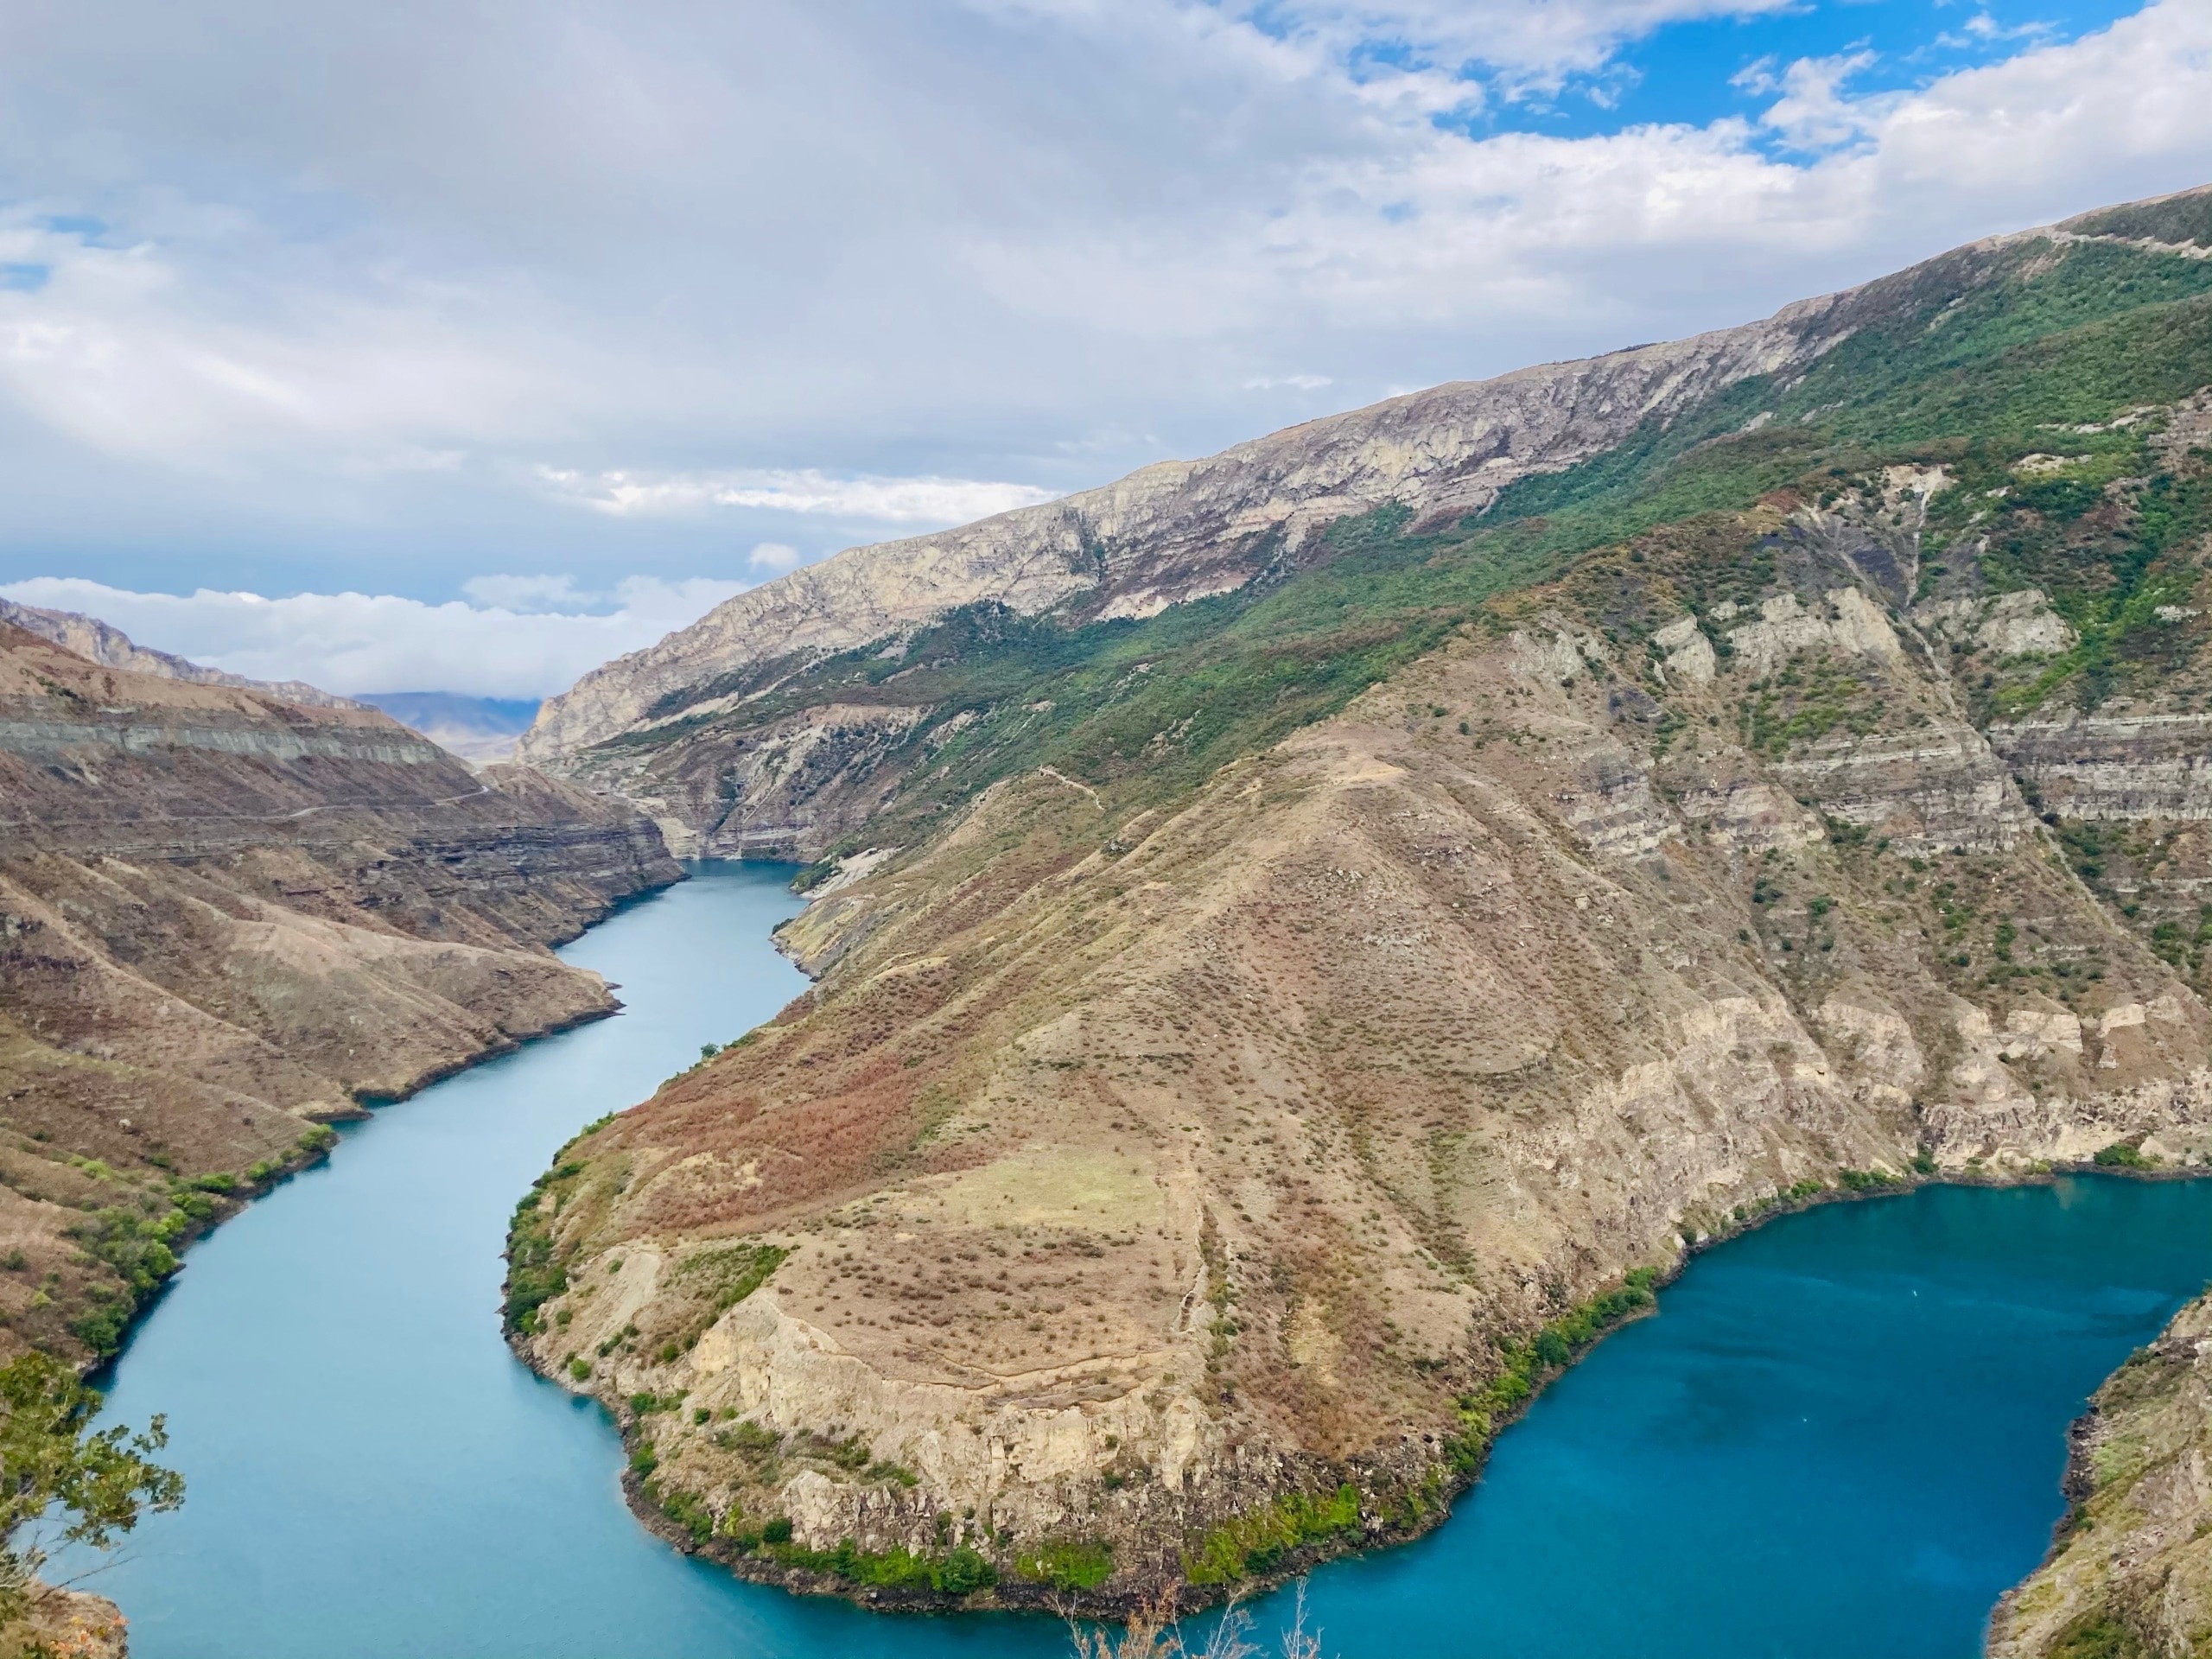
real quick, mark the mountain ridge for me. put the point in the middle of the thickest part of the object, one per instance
(1034, 559)
(1255, 1046)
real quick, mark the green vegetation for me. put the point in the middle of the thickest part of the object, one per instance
(1970, 365)
(1255, 1542)
(136, 1243)
(956, 1572)
(536, 1274)
(1082, 1566)
(56, 1471)
(1526, 1364)
(2121, 1155)
(2099, 1635)
(1868, 1180)
(719, 1277)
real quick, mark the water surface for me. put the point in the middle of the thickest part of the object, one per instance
(1842, 1435)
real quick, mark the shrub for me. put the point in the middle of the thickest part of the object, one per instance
(1255, 1542)
(2121, 1155)
(1067, 1565)
(778, 1531)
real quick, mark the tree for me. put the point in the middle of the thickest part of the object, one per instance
(56, 1469)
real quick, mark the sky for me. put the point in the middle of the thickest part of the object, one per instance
(461, 346)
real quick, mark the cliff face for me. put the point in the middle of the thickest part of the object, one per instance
(1179, 530)
(2130, 1574)
(227, 918)
(1135, 1179)
(98, 642)
(1257, 1044)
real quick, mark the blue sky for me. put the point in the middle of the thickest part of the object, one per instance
(457, 346)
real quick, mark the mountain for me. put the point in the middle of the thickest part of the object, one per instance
(98, 642)
(229, 917)
(479, 729)
(1257, 1042)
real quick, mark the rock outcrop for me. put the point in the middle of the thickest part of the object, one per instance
(99, 642)
(228, 918)
(704, 733)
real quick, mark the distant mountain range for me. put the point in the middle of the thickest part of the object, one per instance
(479, 729)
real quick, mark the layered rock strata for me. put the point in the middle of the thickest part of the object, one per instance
(710, 731)
(1136, 1183)
(228, 918)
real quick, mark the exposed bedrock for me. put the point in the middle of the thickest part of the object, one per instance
(226, 918)
(1144, 1172)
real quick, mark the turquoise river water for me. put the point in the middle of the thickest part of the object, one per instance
(1841, 1435)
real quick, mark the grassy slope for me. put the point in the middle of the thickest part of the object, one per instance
(1957, 362)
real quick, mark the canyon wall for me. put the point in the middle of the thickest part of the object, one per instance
(1259, 1040)
(228, 918)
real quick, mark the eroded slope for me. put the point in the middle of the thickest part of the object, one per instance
(2129, 1576)
(228, 918)
(1167, 1193)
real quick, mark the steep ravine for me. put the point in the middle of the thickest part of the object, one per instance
(228, 918)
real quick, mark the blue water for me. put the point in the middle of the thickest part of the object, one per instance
(1842, 1435)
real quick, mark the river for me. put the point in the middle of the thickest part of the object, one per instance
(1841, 1435)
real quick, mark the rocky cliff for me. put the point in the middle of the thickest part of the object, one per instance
(1257, 1044)
(731, 736)
(99, 642)
(228, 918)
(2129, 1576)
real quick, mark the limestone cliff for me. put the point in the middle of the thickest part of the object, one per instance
(1257, 1044)
(99, 642)
(2129, 1576)
(227, 918)
(1133, 1175)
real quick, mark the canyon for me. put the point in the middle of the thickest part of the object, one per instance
(1307, 941)
(230, 918)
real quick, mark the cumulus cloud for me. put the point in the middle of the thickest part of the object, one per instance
(774, 558)
(523, 636)
(936, 501)
(613, 277)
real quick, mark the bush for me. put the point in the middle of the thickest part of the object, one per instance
(2121, 1155)
(1067, 1565)
(1257, 1542)
(778, 1531)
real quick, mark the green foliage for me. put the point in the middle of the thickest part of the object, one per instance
(136, 1243)
(951, 1572)
(1254, 1542)
(1552, 1349)
(1867, 1180)
(536, 1274)
(722, 1277)
(2121, 1155)
(55, 1468)
(2097, 1634)
(1067, 1565)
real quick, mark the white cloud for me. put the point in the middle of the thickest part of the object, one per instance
(935, 501)
(530, 646)
(718, 275)
(774, 558)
